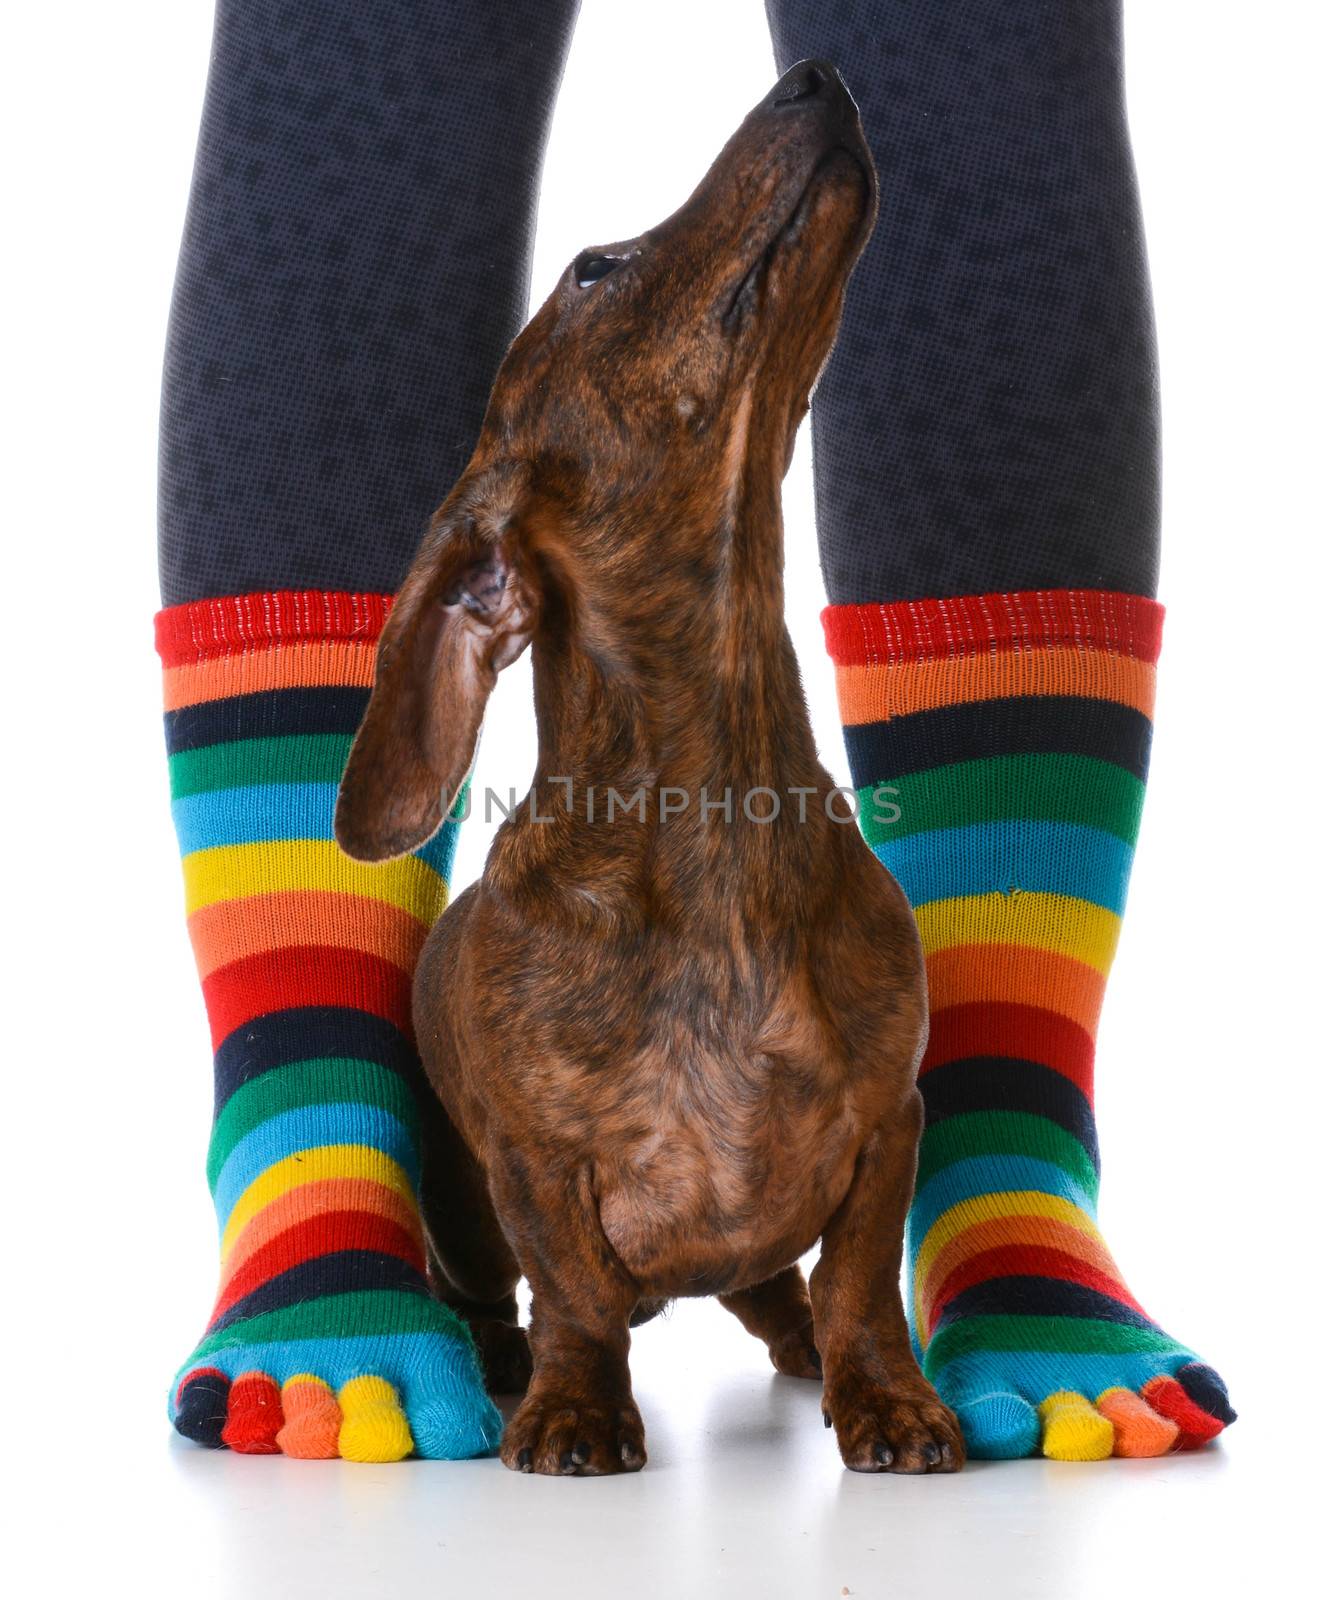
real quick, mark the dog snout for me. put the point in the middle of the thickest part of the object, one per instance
(810, 83)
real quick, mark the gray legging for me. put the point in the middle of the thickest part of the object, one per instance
(356, 259)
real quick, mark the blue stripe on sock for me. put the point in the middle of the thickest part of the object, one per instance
(996, 857)
(254, 815)
(988, 1175)
(1034, 1374)
(307, 1128)
(439, 851)
(335, 1360)
(281, 811)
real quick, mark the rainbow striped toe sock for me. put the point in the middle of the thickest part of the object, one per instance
(325, 1339)
(1015, 731)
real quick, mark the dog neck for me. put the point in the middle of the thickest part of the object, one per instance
(683, 680)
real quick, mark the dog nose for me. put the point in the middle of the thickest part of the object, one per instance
(808, 81)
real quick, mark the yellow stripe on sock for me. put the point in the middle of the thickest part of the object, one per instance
(374, 1426)
(1057, 922)
(1072, 1428)
(311, 1166)
(980, 1208)
(232, 871)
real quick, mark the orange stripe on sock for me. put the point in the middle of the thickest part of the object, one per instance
(1139, 1430)
(310, 1199)
(311, 1419)
(230, 930)
(309, 664)
(998, 1233)
(877, 693)
(1016, 975)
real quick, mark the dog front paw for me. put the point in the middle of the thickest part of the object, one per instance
(901, 1427)
(573, 1436)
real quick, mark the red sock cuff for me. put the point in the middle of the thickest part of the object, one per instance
(202, 630)
(982, 624)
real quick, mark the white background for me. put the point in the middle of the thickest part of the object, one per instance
(1214, 1055)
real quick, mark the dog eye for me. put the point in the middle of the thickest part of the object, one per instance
(590, 268)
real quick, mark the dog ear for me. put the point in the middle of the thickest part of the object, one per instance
(467, 608)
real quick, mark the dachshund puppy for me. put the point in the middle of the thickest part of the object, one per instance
(676, 1025)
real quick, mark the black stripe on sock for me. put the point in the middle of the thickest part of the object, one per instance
(308, 1033)
(1017, 725)
(273, 714)
(201, 1413)
(1039, 1297)
(341, 1272)
(997, 1083)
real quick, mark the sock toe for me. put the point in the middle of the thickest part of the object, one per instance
(1073, 1430)
(1139, 1430)
(254, 1415)
(1169, 1399)
(1207, 1391)
(1000, 1426)
(201, 1407)
(455, 1429)
(312, 1419)
(451, 1416)
(374, 1427)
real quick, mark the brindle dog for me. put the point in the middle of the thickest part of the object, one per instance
(674, 1050)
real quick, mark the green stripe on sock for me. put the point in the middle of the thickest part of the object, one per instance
(1045, 788)
(330, 1081)
(245, 763)
(1005, 1133)
(1053, 1335)
(366, 1313)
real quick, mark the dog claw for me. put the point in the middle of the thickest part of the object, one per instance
(828, 1420)
(561, 1436)
(902, 1430)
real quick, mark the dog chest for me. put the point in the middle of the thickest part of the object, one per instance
(725, 1180)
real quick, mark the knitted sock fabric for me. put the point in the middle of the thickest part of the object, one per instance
(324, 1339)
(1014, 730)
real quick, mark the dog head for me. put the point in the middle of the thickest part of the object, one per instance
(650, 404)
